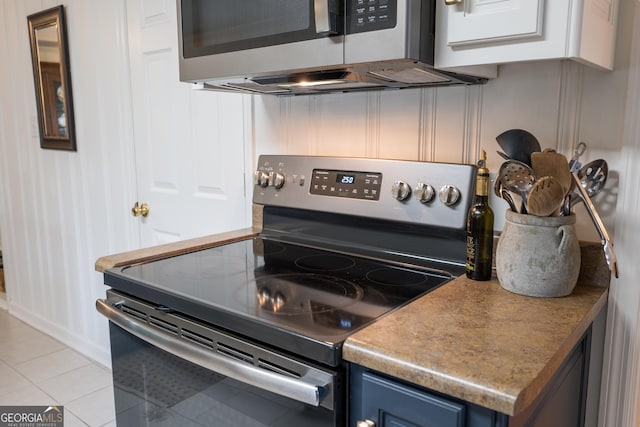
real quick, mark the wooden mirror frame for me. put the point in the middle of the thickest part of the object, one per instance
(52, 79)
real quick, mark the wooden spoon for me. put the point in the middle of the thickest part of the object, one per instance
(550, 163)
(546, 197)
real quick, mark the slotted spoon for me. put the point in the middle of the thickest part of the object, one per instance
(518, 178)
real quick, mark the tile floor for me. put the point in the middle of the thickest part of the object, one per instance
(38, 370)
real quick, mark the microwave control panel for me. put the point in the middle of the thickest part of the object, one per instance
(371, 15)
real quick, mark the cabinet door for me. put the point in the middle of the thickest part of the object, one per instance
(390, 404)
(482, 21)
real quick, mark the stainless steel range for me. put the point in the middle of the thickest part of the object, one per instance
(251, 332)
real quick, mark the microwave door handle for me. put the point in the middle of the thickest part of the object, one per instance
(304, 390)
(323, 17)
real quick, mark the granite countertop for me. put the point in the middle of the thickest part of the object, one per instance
(481, 343)
(184, 246)
(172, 249)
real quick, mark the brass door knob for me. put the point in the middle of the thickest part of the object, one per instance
(138, 210)
(452, 2)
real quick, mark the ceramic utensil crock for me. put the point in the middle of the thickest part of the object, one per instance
(538, 256)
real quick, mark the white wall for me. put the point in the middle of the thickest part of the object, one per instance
(60, 211)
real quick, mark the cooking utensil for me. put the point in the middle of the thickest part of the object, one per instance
(545, 196)
(604, 236)
(518, 144)
(593, 177)
(503, 155)
(500, 191)
(568, 199)
(574, 164)
(518, 178)
(550, 163)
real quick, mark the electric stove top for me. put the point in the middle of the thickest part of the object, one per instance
(271, 291)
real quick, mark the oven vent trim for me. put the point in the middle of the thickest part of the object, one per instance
(172, 328)
(197, 339)
(233, 353)
(222, 344)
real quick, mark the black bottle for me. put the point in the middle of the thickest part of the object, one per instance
(480, 228)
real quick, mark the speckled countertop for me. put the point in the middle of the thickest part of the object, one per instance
(479, 342)
(172, 249)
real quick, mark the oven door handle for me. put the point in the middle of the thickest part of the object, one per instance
(304, 389)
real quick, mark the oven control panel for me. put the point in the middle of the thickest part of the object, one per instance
(437, 194)
(351, 184)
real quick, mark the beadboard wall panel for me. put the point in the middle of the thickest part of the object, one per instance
(453, 124)
(60, 211)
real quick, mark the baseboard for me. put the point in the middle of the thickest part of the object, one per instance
(76, 342)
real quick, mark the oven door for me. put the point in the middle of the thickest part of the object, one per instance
(169, 370)
(229, 38)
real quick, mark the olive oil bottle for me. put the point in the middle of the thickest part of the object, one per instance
(480, 227)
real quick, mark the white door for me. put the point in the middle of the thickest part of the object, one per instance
(189, 144)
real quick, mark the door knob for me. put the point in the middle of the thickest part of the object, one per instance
(138, 210)
(365, 423)
(452, 2)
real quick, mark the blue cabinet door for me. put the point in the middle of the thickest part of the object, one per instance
(388, 402)
(391, 404)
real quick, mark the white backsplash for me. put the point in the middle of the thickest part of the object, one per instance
(551, 99)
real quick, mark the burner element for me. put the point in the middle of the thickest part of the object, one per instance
(325, 262)
(296, 294)
(397, 277)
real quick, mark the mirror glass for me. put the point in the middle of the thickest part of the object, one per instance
(52, 79)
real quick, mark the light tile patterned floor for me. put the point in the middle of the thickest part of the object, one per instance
(38, 370)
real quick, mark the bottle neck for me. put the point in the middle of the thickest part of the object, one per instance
(482, 186)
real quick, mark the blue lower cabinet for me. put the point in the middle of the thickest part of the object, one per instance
(380, 401)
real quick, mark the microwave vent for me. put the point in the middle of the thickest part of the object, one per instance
(410, 76)
(255, 88)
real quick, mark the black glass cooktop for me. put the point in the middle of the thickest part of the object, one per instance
(294, 297)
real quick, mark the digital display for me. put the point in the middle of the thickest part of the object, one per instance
(345, 179)
(349, 184)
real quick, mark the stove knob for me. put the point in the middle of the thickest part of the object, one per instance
(400, 190)
(424, 192)
(276, 179)
(449, 195)
(261, 178)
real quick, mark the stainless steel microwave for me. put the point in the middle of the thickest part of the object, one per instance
(287, 47)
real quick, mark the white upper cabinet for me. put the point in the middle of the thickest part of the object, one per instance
(476, 32)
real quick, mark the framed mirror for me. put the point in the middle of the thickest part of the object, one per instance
(50, 58)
